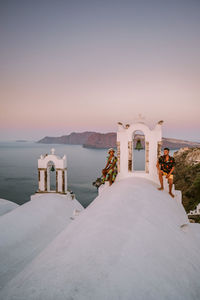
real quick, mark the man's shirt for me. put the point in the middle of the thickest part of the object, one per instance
(166, 166)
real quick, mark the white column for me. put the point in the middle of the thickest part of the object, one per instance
(41, 181)
(123, 157)
(130, 156)
(147, 157)
(59, 180)
(118, 156)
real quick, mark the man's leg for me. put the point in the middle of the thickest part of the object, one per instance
(161, 180)
(110, 178)
(104, 173)
(170, 180)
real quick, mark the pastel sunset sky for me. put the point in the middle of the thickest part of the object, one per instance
(85, 65)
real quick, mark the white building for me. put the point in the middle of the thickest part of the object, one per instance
(196, 211)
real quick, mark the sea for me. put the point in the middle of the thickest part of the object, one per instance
(19, 175)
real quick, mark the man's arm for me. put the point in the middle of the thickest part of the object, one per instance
(170, 172)
(107, 164)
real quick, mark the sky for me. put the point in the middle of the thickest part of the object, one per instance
(85, 65)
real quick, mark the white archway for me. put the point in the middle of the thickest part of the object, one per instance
(60, 166)
(153, 140)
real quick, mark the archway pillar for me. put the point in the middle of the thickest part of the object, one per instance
(118, 157)
(130, 156)
(61, 181)
(122, 154)
(41, 179)
(159, 147)
(147, 157)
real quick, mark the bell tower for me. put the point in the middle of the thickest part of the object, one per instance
(52, 163)
(125, 145)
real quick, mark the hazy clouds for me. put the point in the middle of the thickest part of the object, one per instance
(78, 65)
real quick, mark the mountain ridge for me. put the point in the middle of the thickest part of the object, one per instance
(97, 140)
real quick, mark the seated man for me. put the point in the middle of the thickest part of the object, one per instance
(165, 167)
(110, 170)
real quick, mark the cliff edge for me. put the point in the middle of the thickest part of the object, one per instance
(187, 176)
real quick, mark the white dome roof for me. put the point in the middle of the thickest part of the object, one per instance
(128, 244)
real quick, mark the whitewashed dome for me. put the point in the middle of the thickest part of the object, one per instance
(132, 242)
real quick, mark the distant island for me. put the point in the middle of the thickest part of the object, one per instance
(21, 141)
(96, 140)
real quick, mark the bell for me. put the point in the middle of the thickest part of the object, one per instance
(138, 145)
(52, 168)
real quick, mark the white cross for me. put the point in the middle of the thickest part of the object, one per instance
(53, 151)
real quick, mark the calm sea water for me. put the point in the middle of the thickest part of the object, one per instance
(18, 169)
(19, 177)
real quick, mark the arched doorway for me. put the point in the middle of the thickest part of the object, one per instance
(51, 177)
(139, 151)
